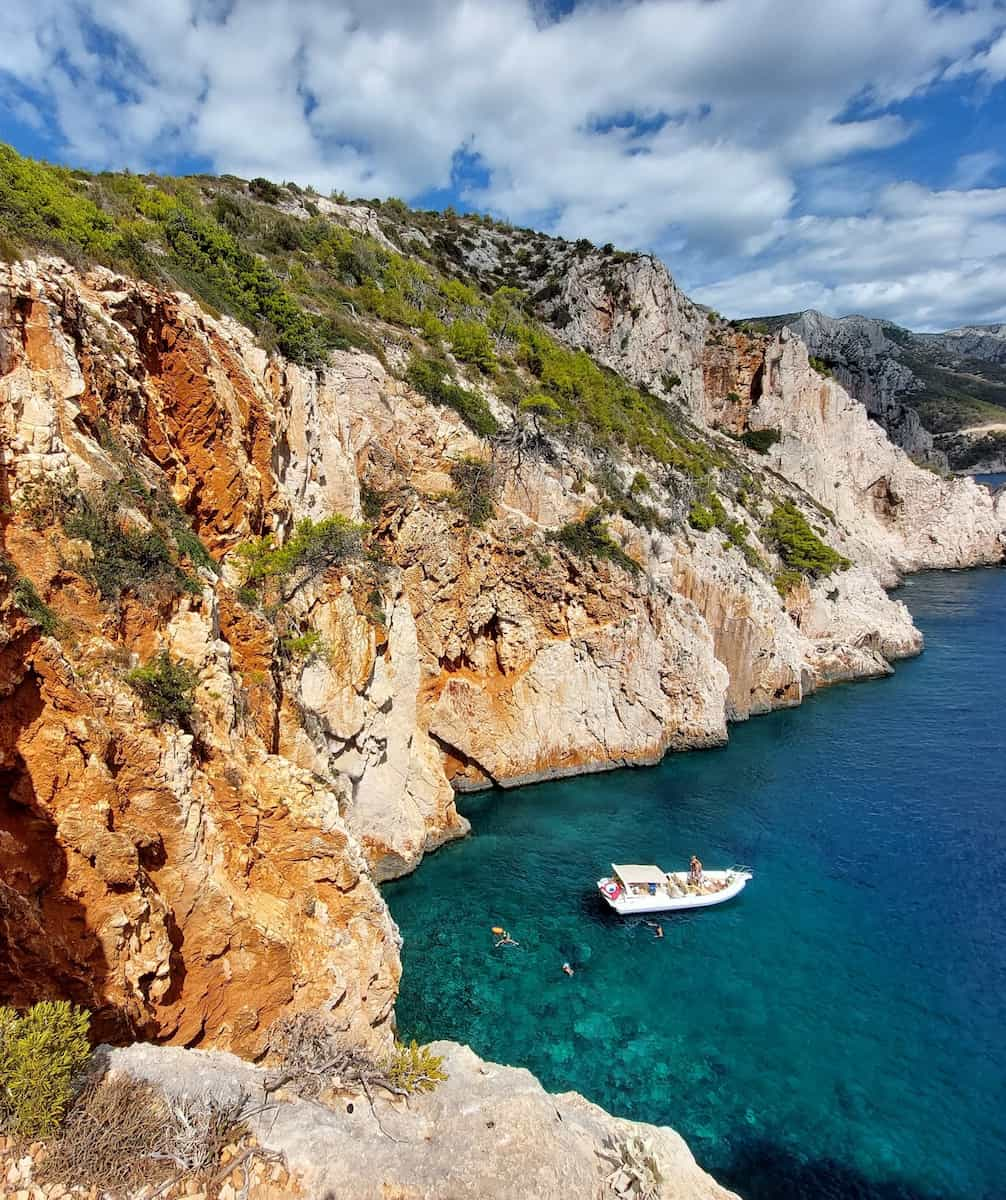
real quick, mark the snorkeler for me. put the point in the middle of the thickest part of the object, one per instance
(567, 969)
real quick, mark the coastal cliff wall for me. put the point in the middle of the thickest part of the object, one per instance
(156, 873)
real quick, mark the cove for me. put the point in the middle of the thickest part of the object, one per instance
(840, 1029)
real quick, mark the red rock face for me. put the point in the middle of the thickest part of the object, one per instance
(184, 888)
(181, 895)
(733, 367)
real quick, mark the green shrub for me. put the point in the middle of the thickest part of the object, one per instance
(786, 580)
(265, 190)
(414, 1068)
(40, 1054)
(474, 482)
(798, 545)
(222, 271)
(313, 548)
(303, 645)
(539, 405)
(45, 501)
(166, 689)
(471, 343)
(372, 501)
(33, 606)
(589, 538)
(821, 367)
(123, 558)
(761, 440)
(431, 377)
(701, 518)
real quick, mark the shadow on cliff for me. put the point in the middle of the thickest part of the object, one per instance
(47, 948)
(766, 1170)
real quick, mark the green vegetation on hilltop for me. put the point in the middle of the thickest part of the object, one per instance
(306, 285)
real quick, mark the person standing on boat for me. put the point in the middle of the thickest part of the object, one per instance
(695, 871)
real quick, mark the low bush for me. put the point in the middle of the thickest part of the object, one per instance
(786, 580)
(431, 377)
(115, 1138)
(701, 518)
(471, 343)
(302, 645)
(798, 545)
(313, 548)
(26, 597)
(123, 558)
(45, 501)
(265, 190)
(166, 689)
(122, 1136)
(821, 367)
(414, 1068)
(589, 539)
(761, 440)
(313, 1058)
(474, 482)
(41, 1053)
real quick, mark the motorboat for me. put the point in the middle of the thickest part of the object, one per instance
(636, 888)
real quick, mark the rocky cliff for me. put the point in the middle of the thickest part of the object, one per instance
(938, 395)
(487, 1131)
(154, 872)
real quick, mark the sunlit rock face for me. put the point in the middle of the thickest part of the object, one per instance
(193, 886)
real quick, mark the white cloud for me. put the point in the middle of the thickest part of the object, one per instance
(736, 102)
(926, 259)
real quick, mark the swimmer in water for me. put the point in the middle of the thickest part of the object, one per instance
(658, 930)
(506, 940)
(567, 968)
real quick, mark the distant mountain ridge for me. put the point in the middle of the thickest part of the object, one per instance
(939, 395)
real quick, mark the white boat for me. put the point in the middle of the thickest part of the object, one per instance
(634, 888)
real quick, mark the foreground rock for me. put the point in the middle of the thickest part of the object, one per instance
(488, 1131)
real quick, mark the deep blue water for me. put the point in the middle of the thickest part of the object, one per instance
(838, 1031)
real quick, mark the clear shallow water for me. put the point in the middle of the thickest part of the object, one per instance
(840, 1030)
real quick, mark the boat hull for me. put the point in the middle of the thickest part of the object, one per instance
(627, 906)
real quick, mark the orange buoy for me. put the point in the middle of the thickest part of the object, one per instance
(498, 930)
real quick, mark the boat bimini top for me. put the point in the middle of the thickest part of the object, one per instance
(634, 873)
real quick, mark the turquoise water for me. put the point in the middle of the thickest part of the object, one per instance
(839, 1030)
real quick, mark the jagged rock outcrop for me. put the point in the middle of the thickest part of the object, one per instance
(897, 516)
(901, 518)
(488, 1131)
(934, 393)
(984, 342)
(862, 354)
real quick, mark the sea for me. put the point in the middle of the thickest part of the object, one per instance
(838, 1031)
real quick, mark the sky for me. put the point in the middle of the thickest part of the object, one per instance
(845, 155)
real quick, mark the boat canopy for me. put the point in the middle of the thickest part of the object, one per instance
(634, 873)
